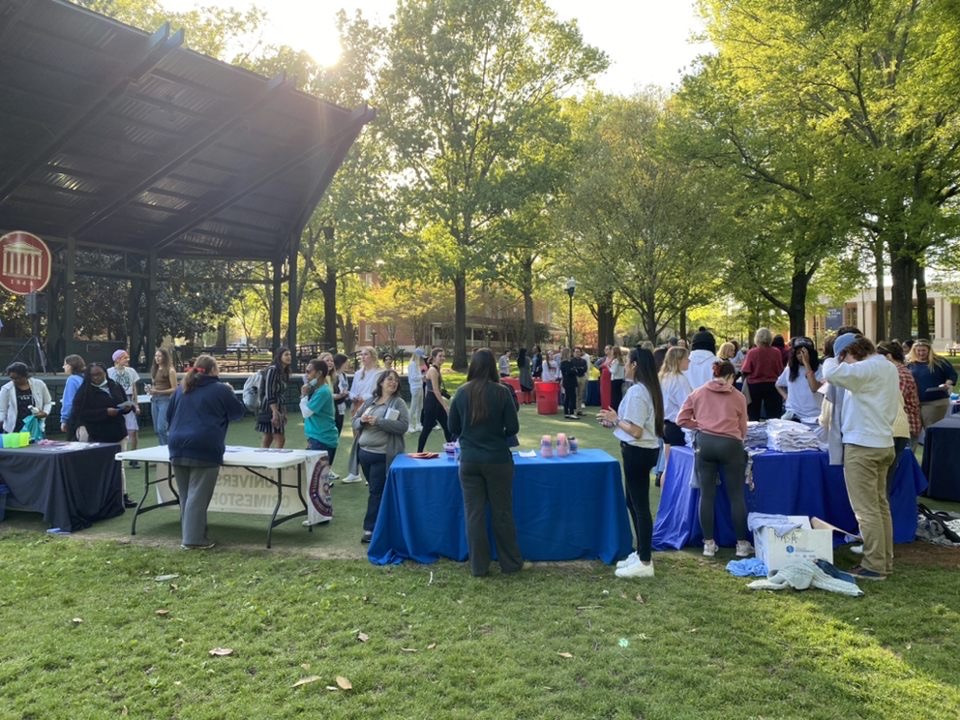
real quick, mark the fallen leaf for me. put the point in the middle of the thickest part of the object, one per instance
(165, 578)
(362, 637)
(77, 621)
(306, 680)
(343, 683)
(161, 612)
(124, 712)
(565, 655)
(334, 688)
(431, 646)
(305, 666)
(411, 650)
(174, 586)
(693, 630)
(640, 599)
(221, 652)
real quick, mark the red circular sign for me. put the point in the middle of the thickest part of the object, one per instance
(25, 263)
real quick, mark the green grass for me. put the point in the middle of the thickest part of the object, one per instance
(692, 643)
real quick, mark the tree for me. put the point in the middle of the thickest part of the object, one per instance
(637, 218)
(466, 83)
(846, 108)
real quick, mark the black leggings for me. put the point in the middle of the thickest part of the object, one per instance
(637, 464)
(569, 399)
(616, 393)
(433, 413)
(712, 452)
(767, 395)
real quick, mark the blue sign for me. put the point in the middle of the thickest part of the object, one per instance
(834, 318)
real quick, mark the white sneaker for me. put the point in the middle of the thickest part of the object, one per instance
(419, 428)
(637, 570)
(351, 478)
(323, 519)
(411, 429)
(331, 476)
(709, 548)
(744, 548)
(630, 560)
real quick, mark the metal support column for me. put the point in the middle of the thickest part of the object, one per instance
(275, 315)
(150, 345)
(293, 306)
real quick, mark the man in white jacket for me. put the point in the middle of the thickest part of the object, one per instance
(870, 406)
(703, 353)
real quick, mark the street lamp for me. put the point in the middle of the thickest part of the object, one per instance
(570, 286)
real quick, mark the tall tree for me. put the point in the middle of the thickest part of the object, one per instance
(466, 82)
(867, 91)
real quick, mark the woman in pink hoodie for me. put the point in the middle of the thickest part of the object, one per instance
(719, 413)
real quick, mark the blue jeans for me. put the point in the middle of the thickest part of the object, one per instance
(317, 445)
(375, 471)
(158, 411)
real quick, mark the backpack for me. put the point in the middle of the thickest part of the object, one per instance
(253, 390)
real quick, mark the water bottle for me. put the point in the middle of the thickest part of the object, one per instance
(563, 447)
(573, 444)
(546, 446)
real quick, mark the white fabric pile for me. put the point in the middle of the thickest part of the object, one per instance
(787, 436)
(756, 434)
(802, 575)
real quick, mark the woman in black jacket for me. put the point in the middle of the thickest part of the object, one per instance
(99, 407)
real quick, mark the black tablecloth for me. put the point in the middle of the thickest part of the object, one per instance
(72, 488)
(941, 459)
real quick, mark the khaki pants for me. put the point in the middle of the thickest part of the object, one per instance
(581, 392)
(865, 473)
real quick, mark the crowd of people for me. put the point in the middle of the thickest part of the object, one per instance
(870, 401)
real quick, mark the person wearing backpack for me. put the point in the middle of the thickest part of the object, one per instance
(272, 416)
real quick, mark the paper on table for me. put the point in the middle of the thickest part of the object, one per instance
(527, 453)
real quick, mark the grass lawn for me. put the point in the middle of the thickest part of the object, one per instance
(92, 630)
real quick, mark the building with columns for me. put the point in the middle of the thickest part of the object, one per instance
(861, 311)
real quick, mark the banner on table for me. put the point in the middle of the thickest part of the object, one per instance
(240, 490)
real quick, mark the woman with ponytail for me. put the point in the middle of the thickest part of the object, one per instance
(198, 416)
(638, 425)
(719, 413)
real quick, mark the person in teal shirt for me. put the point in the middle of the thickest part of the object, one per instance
(319, 413)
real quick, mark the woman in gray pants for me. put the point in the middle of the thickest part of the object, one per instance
(719, 412)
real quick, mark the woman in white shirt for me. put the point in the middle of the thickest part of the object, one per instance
(638, 425)
(675, 386)
(415, 379)
(617, 374)
(800, 380)
(127, 378)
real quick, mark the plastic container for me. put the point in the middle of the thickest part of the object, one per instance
(546, 446)
(574, 445)
(547, 395)
(11, 440)
(563, 445)
(24, 439)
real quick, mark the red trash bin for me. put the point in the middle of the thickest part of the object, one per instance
(547, 396)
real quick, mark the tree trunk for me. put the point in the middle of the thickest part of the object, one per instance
(460, 321)
(797, 311)
(329, 287)
(902, 271)
(683, 323)
(881, 295)
(606, 321)
(221, 335)
(923, 310)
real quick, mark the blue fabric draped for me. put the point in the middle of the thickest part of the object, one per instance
(565, 509)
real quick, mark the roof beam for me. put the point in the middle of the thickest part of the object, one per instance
(132, 69)
(358, 118)
(274, 87)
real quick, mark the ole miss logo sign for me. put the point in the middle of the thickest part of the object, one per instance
(25, 263)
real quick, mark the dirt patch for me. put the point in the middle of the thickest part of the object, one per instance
(925, 554)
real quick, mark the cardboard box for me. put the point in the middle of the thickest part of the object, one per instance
(802, 543)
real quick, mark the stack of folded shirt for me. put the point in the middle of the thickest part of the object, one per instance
(756, 434)
(787, 436)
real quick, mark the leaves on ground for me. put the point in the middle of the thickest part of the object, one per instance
(343, 683)
(165, 578)
(362, 637)
(565, 655)
(221, 652)
(306, 680)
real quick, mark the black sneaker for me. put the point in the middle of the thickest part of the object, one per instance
(365, 538)
(128, 502)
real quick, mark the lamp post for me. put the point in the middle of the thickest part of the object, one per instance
(373, 334)
(570, 286)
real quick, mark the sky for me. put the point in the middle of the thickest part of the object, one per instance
(648, 41)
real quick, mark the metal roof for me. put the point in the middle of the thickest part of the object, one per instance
(117, 137)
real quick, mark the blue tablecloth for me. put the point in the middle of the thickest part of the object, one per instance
(565, 509)
(941, 459)
(796, 483)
